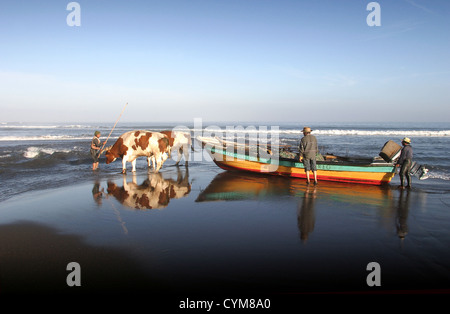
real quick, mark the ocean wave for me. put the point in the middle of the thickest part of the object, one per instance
(18, 126)
(335, 132)
(55, 126)
(438, 175)
(45, 138)
(33, 152)
(229, 131)
(410, 133)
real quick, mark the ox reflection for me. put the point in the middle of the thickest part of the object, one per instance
(155, 192)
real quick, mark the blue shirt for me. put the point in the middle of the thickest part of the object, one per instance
(407, 153)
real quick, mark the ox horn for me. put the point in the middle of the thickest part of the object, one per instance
(105, 149)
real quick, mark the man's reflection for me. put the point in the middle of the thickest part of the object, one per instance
(306, 217)
(402, 214)
(97, 193)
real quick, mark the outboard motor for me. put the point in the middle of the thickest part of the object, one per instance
(419, 171)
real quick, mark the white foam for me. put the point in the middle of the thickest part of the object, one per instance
(32, 152)
(410, 133)
(336, 132)
(55, 126)
(9, 126)
(44, 138)
(439, 175)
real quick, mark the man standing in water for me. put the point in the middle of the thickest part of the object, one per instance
(308, 149)
(95, 149)
(405, 162)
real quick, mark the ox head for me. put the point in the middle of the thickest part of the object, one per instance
(164, 145)
(110, 157)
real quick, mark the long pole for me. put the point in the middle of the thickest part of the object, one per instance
(114, 127)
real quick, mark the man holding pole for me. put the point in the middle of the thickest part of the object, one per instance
(95, 149)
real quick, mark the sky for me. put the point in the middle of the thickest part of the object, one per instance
(225, 60)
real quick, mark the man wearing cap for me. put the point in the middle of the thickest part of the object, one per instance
(405, 162)
(95, 149)
(308, 149)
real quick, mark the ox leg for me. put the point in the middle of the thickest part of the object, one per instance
(151, 160)
(186, 156)
(124, 165)
(158, 163)
(133, 165)
(179, 152)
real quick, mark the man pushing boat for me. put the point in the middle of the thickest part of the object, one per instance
(405, 163)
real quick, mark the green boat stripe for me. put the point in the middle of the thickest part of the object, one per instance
(320, 166)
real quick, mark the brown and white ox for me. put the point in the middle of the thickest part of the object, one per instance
(179, 142)
(134, 144)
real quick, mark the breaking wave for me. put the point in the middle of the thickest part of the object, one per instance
(337, 132)
(438, 175)
(411, 133)
(44, 138)
(33, 152)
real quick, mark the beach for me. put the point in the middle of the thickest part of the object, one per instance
(200, 230)
(277, 235)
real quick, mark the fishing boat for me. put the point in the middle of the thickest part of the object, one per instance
(270, 160)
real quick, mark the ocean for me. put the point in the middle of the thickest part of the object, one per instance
(202, 231)
(39, 156)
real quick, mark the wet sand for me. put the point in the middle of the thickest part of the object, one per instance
(214, 233)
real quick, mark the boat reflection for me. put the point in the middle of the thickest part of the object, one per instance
(155, 192)
(231, 185)
(388, 205)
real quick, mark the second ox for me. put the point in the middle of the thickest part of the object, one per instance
(180, 143)
(133, 144)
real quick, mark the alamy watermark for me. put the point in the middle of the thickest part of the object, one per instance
(74, 17)
(373, 18)
(374, 277)
(74, 277)
(252, 143)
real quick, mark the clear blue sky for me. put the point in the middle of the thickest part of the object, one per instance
(230, 60)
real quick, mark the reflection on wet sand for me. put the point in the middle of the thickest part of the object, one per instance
(306, 216)
(155, 192)
(402, 214)
(97, 193)
(229, 185)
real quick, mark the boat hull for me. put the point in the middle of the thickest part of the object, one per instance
(372, 173)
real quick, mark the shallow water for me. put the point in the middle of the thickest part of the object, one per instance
(52, 155)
